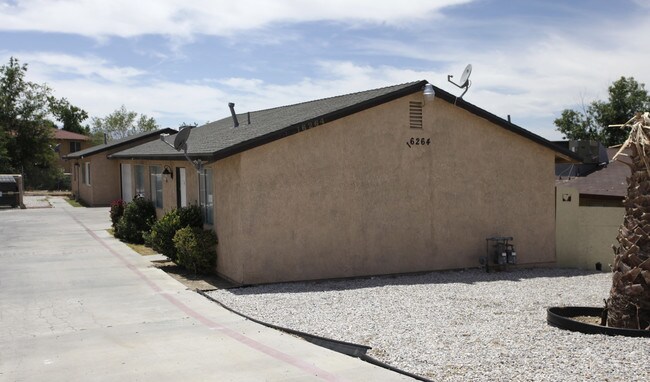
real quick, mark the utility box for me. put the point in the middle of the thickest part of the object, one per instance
(499, 253)
(9, 191)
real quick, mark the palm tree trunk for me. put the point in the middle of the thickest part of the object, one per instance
(628, 305)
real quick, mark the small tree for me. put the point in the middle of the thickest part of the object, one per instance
(195, 248)
(137, 219)
(121, 123)
(628, 305)
(162, 232)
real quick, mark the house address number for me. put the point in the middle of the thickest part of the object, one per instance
(418, 142)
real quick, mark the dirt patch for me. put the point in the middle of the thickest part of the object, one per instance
(594, 320)
(190, 280)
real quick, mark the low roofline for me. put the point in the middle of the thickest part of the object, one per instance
(116, 144)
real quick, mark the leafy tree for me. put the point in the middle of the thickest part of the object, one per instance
(121, 123)
(69, 115)
(626, 97)
(25, 133)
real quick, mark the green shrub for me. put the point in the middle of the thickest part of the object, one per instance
(161, 237)
(195, 249)
(137, 219)
(117, 210)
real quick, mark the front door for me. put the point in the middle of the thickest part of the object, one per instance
(127, 189)
(181, 188)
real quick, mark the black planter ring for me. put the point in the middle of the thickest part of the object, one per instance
(562, 318)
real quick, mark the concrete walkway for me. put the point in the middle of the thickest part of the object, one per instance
(78, 305)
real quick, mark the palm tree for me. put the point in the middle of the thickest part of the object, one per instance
(628, 305)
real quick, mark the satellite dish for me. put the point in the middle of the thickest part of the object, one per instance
(464, 79)
(180, 142)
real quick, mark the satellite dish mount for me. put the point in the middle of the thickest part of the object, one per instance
(180, 143)
(465, 83)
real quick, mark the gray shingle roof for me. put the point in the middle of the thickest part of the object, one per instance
(115, 144)
(609, 180)
(219, 139)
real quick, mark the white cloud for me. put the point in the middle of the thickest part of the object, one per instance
(50, 64)
(127, 18)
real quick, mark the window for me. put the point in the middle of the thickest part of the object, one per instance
(139, 180)
(206, 197)
(86, 174)
(75, 146)
(155, 172)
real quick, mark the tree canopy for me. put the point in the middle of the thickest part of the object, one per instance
(69, 115)
(626, 98)
(121, 123)
(25, 131)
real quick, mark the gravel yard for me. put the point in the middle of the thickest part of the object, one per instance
(457, 326)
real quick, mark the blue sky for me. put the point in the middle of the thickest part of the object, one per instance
(184, 61)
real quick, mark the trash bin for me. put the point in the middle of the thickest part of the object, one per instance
(9, 193)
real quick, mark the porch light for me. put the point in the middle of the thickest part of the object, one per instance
(429, 93)
(168, 171)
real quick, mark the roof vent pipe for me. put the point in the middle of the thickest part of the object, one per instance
(232, 111)
(249, 117)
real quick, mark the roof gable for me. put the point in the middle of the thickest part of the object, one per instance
(220, 139)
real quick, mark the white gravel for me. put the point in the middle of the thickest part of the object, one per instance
(458, 326)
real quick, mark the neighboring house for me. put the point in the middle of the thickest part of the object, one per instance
(376, 182)
(67, 143)
(589, 210)
(95, 178)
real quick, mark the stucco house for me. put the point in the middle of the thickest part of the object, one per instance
(95, 178)
(375, 182)
(589, 210)
(67, 143)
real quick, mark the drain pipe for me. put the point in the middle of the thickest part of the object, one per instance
(232, 111)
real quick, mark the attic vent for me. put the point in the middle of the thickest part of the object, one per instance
(415, 114)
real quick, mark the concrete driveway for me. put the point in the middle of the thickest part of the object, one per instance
(78, 305)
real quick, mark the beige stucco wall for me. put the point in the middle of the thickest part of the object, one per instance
(350, 198)
(585, 235)
(105, 184)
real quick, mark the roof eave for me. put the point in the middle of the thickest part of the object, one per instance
(562, 155)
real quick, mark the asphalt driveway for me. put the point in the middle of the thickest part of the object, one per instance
(78, 305)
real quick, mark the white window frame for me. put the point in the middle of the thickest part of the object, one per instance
(155, 176)
(139, 180)
(86, 174)
(206, 195)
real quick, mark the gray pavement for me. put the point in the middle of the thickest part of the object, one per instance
(76, 304)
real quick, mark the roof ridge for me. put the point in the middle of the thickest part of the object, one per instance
(332, 97)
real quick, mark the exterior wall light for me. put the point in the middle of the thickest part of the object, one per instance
(429, 93)
(168, 171)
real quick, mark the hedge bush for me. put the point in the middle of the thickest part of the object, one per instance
(195, 249)
(137, 219)
(161, 237)
(117, 210)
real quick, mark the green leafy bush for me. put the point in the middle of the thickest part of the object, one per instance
(117, 210)
(195, 249)
(161, 237)
(137, 219)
